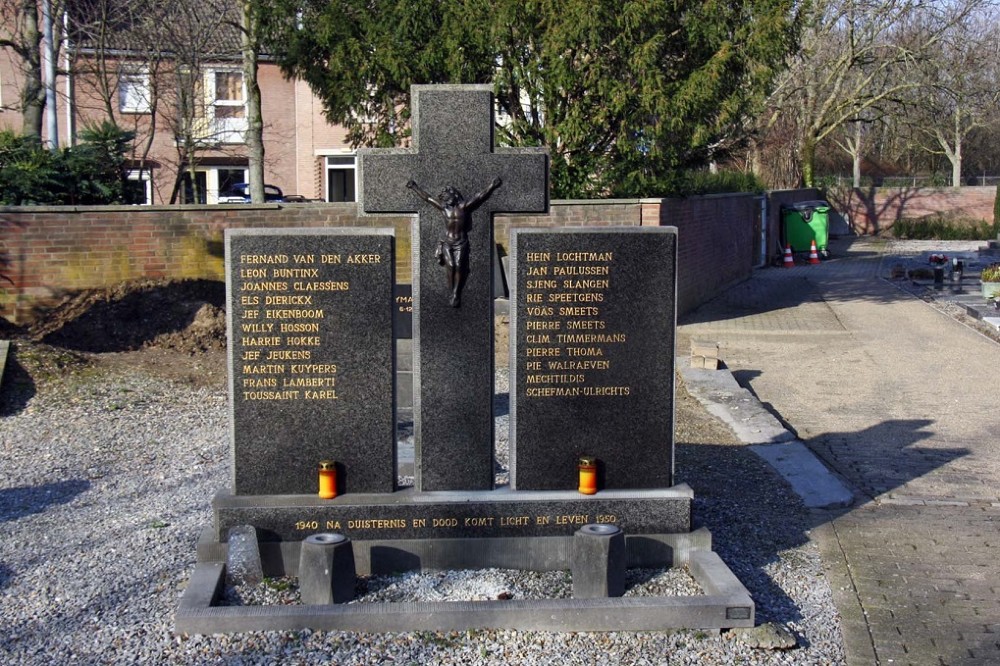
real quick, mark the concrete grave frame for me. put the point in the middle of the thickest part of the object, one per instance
(394, 531)
(725, 604)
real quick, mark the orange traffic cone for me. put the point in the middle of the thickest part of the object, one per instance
(788, 261)
(813, 255)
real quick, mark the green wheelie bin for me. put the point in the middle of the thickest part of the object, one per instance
(804, 222)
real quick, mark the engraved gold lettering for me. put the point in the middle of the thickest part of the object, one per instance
(584, 256)
(572, 297)
(589, 338)
(263, 258)
(581, 270)
(321, 395)
(607, 391)
(288, 300)
(543, 351)
(303, 340)
(289, 355)
(309, 382)
(295, 314)
(584, 351)
(579, 312)
(260, 382)
(328, 285)
(513, 521)
(479, 522)
(265, 286)
(585, 284)
(261, 342)
(314, 368)
(555, 379)
(579, 519)
(553, 392)
(265, 369)
(293, 273)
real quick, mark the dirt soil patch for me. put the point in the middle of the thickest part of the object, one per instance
(184, 315)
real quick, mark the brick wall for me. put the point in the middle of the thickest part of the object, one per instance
(715, 244)
(51, 251)
(874, 210)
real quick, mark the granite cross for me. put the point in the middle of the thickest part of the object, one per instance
(452, 146)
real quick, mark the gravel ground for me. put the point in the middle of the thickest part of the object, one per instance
(107, 468)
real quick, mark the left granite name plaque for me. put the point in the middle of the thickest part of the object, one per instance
(311, 358)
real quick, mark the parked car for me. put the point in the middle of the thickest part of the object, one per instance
(240, 193)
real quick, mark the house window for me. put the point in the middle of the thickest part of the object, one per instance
(138, 187)
(210, 182)
(226, 96)
(133, 92)
(340, 178)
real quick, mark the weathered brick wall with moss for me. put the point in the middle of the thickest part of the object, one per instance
(51, 251)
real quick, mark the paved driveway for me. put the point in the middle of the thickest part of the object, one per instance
(904, 403)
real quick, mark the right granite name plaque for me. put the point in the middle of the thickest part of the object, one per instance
(592, 360)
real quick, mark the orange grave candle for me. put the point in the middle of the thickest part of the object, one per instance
(327, 479)
(587, 466)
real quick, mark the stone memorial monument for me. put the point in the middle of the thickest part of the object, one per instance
(312, 395)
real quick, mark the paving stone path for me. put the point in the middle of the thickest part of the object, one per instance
(903, 402)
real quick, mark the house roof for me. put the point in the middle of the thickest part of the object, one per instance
(191, 30)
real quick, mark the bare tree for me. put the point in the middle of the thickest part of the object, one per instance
(250, 39)
(21, 33)
(856, 59)
(959, 89)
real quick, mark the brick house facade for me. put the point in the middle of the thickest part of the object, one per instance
(304, 154)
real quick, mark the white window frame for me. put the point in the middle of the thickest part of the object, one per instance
(145, 177)
(134, 92)
(226, 130)
(336, 161)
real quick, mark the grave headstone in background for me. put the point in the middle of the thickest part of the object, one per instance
(453, 346)
(311, 358)
(592, 340)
